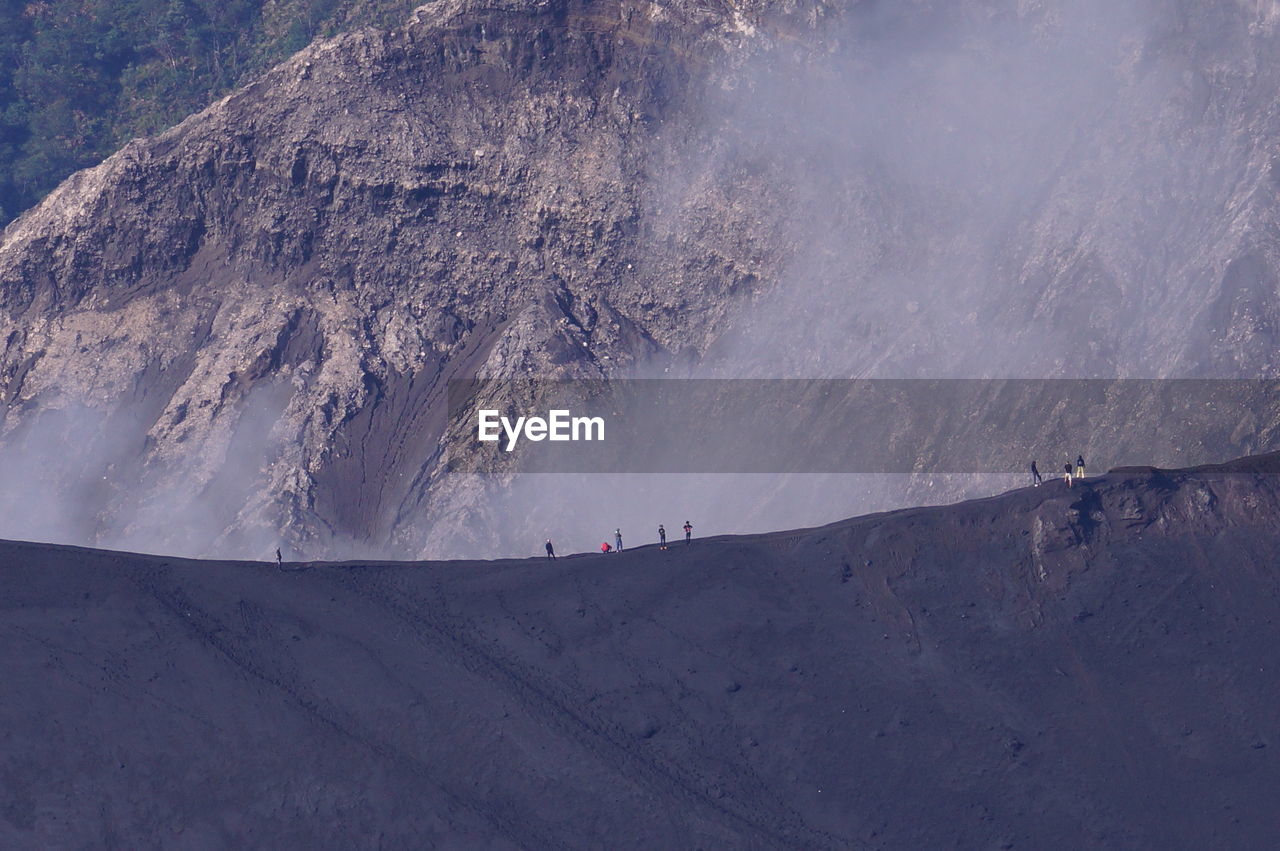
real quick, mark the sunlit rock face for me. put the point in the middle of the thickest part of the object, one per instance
(242, 331)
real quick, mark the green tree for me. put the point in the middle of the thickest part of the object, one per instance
(79, 78)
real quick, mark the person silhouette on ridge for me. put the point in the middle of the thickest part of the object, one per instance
(662, 537)
(551, 551)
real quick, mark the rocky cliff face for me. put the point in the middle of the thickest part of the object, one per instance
(293, 275)
(244, 328)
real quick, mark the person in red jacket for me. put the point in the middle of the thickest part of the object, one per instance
(605, 548)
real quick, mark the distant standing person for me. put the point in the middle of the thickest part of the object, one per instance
(688, 532)
(279, 558)
(551, 551)
(662, 537)
(1067, 468)
(1079, 466)
(617, 539)
(1035, 475)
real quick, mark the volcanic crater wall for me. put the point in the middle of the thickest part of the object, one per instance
(240, 331)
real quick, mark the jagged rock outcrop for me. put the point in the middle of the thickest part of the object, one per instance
(305, 265)
(245, 328)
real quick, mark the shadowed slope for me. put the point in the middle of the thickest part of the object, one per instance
(1048, 667)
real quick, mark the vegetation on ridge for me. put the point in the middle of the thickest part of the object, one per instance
(79, 78)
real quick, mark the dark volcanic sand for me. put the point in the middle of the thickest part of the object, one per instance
(1045, 668)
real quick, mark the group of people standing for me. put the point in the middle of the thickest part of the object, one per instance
(1069, 476)
(662, 535)
(1037, 479)
(617, 540)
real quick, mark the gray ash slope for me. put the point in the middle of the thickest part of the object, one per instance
(241, 330)
(1044, 668)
